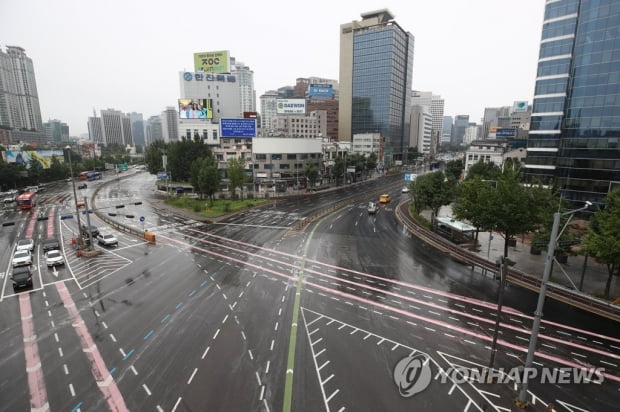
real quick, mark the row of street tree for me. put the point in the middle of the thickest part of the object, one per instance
(495, 199)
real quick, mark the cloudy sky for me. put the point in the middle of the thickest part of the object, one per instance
(126, 54)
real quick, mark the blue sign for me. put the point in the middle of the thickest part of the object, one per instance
(66, 217)
(410, 177)
(506, 132)
(162, 176)
(238, 127)
(321, 91)
(142, 219)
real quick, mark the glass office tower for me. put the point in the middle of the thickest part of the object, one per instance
(376, 69)
(575, 128)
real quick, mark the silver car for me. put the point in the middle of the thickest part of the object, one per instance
(22, 257)
(54, 257)
(25, 244)
(107, 239)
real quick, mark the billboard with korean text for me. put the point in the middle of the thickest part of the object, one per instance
(321, 91)
(290, 106)
(212, 62)
(238, 127)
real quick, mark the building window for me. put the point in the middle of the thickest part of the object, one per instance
(276, 156)
(261, 156)
(291, 156)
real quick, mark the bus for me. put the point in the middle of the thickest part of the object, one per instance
(94, 176)
(26, 200)
(84, 175)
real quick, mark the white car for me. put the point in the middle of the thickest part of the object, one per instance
(405, 189)
(22, 257)
(107, 239)
(54, 257)
(25, 244)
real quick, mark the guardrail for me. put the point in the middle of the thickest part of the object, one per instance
(116, 225)
(303, 223)
(514, 275)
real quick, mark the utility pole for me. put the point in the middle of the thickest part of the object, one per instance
(500, 300)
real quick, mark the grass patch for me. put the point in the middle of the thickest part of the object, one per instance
(216, 208)
(422, 221)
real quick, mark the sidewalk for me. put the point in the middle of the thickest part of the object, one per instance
(595, 273)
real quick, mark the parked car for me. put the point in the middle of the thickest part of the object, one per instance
(384, 198)
(82, 186)
(54, 257)
(25, 244)
(50, 244)
(21, 277)
(107, 239)
(22, 257)
(372, 208)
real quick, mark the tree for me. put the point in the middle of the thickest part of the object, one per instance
(371, 161)
(454, 168)
(603, 238)
(182, 154)
(432, 190)
(311, 172)
(484, 170)
(509, 209)
(153, 156)
(205, 177)
(339, 168)
(236, 174)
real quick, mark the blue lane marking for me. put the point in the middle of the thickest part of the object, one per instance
(128, 354)
(179, 305)
(204, 282)
(148, 334)
(76, 407)
(165, 318)
(192, 293)
(112, 371)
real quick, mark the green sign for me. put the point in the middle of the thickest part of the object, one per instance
(122, 167)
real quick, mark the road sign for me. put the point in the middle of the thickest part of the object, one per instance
(410, 177)
(162, 176)
(142, 219)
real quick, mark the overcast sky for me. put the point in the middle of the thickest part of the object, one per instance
(126, 54)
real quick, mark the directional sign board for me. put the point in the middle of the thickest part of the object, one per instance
(410, 177)
(162, 176)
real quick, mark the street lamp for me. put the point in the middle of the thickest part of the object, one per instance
(521, 400)
(77, 209)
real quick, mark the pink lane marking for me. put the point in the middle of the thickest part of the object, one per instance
(384, 306)
(50, 223)
(465, 299)
(106, 383)
(458, 329)
(36, 383)
(30, 229)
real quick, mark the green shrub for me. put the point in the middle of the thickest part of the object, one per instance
(226, 207)
(197, 207)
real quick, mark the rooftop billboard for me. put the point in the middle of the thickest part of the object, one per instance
(321, 91)
(212, 62)
(290, 106)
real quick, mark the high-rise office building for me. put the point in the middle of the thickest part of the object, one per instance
(245, 80)
(154, 130)
(376, 70)
(56, 131)
(461, 123)
(19, 100)
(574, 138)
(268, 109)
(137, 128)
(446, 131)
(435, 106)
(170, 124)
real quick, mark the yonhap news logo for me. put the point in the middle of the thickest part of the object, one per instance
(412, 374)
